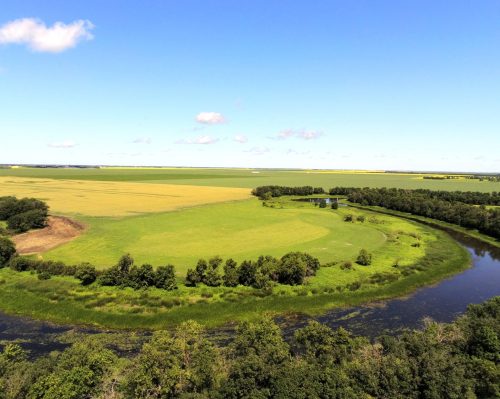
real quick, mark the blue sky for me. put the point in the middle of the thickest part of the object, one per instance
(411, 85)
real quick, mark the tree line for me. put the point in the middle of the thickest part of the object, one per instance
(456, 360)
(23, 214)
(467, 197)
(291, 269)
(265, 192)
(445, 206)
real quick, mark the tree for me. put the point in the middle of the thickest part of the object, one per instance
(258, 353)
(169, 367)
(141, 277)
(77, 372)
(247, 273)
(192, 278)
(335, 204)
(86, 273)
(364, 258)
(292, 269)
(312, 263)
(165, 278)
(7, 250)
(322, 203)
(213, 277)
(124, 263)
(230, 277)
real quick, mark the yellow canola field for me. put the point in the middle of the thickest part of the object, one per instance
(103, 198)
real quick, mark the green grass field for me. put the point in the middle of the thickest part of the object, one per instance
(241, 230)
(255, 177)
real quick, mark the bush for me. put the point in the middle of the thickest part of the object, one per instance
(349, 218)
(347, 265)
(292, 270)
(22, 263)
(24, 214)
(322, 203)
(7, 250)
(364, 258)
(335, 205)
(86, 273)
(230, 277)
(44, 276)
(192, 278)
(165, 278)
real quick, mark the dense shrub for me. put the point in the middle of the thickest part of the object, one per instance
(7, 250)
(165, 278)
(264, 192)
(23, 214)
(291, 269)
(364, 258)
(230, 277)
(86, 273)
(126, 274)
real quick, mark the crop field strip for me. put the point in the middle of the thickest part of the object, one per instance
(98, 198)
(250, 178)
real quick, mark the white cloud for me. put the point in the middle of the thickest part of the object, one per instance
(38, 37)
(240, 138)
(199, 140)
(284, 134)
(210, 118)
(142, 140)
(309, 134)
(258, 150)
(62, 144)
(301, 134)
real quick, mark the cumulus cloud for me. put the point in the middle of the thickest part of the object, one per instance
(301, 134)
(142, 140)
(62, 144)
(39, 37)
(240, 138)
(309, 134)
(199, 140)
(210, 118)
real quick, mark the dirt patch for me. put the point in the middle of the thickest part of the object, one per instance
(59, 230)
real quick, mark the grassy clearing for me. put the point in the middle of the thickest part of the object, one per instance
(241, 230)
(256, 177)
(97, 198)
(62, 299)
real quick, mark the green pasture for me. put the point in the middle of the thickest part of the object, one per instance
(240, 230)
(254, 177)
(64, 300)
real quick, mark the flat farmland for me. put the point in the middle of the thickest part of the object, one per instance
(250, 178)
(110, 198)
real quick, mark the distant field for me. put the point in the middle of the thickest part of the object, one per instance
(98, 198)
(252, 177)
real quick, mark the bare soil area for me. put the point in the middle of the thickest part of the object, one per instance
(59, 230)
